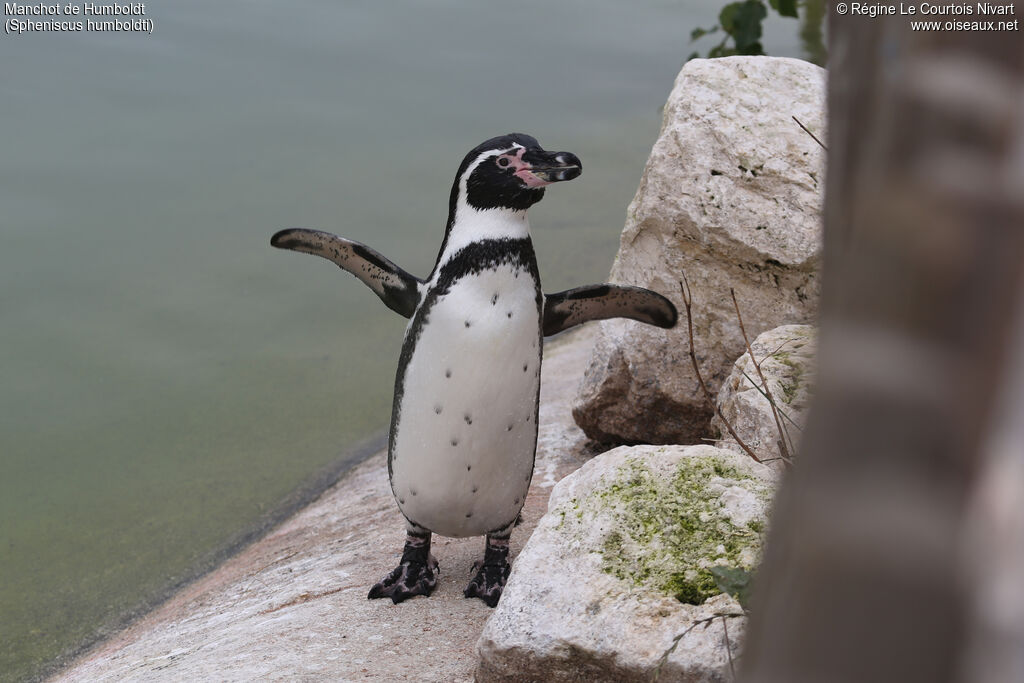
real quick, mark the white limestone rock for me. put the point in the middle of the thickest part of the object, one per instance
(593, 595)
(732, 196)
(786, 355)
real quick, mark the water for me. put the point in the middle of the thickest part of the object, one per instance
(167, 379)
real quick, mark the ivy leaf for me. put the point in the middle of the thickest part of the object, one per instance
(698, 33)
(746, 25)
(786, 8)
(721, 51)
(754, 48)
(728, 15)
(735, 582)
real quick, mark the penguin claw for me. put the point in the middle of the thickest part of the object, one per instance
(406, 580)
(488, 583)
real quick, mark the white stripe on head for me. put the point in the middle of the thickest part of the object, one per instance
(473, 225)
(484, 156)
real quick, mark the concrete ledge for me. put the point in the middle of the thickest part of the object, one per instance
(293, 605)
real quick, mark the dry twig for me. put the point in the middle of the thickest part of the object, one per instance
(784, 451)
(706, 621)
(810, 133)
(728, 647)
(781, 411)
(684, 287)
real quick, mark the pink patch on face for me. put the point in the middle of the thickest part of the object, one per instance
(530, 179)
(523, 170)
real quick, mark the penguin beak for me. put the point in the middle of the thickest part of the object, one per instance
(540, 168)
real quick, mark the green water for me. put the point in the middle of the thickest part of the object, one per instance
(167, 380)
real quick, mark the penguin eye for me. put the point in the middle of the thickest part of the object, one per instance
(503, 162)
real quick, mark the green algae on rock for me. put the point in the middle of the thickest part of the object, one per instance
(593, 594)
(666, 530)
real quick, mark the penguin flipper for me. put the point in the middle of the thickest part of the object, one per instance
(398, 289)
(600, 302)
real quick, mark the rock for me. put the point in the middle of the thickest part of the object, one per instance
(732, 196)
(596, 593)
(786, 356)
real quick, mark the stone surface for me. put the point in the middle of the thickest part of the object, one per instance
(786, 355)
(593, 595)
(732, 196)
(293, 606)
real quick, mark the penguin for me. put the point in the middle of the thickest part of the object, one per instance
(463, 434)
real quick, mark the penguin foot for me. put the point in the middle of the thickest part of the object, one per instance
(415, 575)
(491, 573)
(488, 583)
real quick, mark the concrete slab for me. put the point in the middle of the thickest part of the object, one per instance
(293, 605)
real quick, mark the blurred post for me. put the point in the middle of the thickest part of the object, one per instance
(864, 578)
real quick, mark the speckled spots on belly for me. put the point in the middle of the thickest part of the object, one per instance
(466, 431)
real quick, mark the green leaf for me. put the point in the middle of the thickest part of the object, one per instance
(786, 8)
(735, 582)
(746, 25)
(754, 48)
(698, 33)
(726, 16)
(721, 51)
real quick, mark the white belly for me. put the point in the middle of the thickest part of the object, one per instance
(466, 434)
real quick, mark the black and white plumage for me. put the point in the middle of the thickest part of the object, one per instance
(464, 418)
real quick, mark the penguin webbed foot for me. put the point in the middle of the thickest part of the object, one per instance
(491, 573)
(406, 580)
(488, 583)
(415, 575)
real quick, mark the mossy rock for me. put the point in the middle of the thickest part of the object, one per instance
(667, 516)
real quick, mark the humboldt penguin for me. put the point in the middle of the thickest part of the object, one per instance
(464, 418)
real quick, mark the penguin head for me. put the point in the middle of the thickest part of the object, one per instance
(511, 171)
